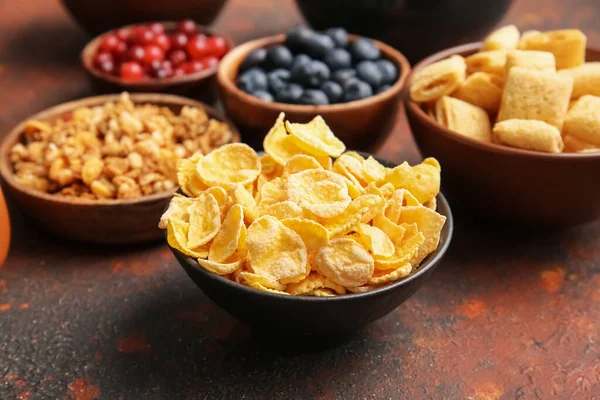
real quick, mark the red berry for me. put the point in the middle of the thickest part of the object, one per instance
(157, 28)
(107, 67)
(177, 57)
(102, 58)
(179, 40)
(123, 33)
(136, 53)
(109, 43)
(197, 48)
(120, 51)
(178, 72)
(143, 35)
(217, 46)
(192, 67)
(209, 62)
(162, 70)
(153, 53)
(187, 26)
(132, 71)
(163, 42)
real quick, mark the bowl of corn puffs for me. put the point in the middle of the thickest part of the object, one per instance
(515, 120)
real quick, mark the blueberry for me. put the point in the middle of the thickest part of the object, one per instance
(382, 89)
(290, 93)
(333, 91)
(264, 96)
(300, 59)
(277, 79)
(355, 89)
(338, 35)
(364, 49)
(388, 70)
(319, 45)
(370, 73)
(279, 57)
(342, 75)
(298, 38)
(338, 59)
(253, 59)
(312, 74)
(314, 97)
(252, 80)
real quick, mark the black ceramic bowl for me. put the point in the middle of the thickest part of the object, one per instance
(315, 316)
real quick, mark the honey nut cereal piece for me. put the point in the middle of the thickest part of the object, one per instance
(177, 233)
(228, 165)
(315, 138)
(438, 79)
(463, 118)
(525, 36)
(188, 179)
(402, 271)
(505, 38)
(103, 189)
(479, 89)
(250, 277)
(528, 135)
(205, 220)
(240, 195)
(567, 45)
(492, 62)
(422, 180)
(220, 268)
(226, 242)
(345, 262)
(575, 145)
(323, 193)
(300, 163)
(533, 94)
(376, 241)
(312, 282)
(312, 233)
(92, 169)
(586, 79)
(583, 120)
(276, 251)
(429, 223)
(258, 286)
(532, 59)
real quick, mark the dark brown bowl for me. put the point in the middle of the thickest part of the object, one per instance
(101, 221)
(200, 84)
(361, 124)
(511, 185)
(315, 316)
(99, 16)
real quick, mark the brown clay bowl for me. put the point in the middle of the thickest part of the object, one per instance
(99, 16)
(102, 221)
(510, 185)
(361, 124)
(200, 83)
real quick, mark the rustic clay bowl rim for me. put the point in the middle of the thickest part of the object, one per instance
(434, 125)
(234, 58)
(89, 51)
(6, 167)
(430, 262)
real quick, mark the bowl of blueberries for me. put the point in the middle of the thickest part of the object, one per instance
(353, 82)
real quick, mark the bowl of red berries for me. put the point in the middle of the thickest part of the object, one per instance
(353, 82)
(172, 57)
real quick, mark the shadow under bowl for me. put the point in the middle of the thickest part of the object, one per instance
(307, 316)
(200, 85)
(114, 221)
(362, 124)
(516, 187)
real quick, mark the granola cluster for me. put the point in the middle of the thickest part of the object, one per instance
(119, 150)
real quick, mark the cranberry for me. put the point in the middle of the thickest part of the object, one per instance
(123, 33)
(197, 48)
(163, 42)
(192, 67)
(102, 58)
(157, 28)
(179, 40)
(107, 67)
(209, 62)
(153, 53)
(179, 72)
(187, 26)
(217, 46)
(142, 35)
(177, 57)
(109, 43)
(120, 51)
(136, 53)
(162, 70)
(132, 71)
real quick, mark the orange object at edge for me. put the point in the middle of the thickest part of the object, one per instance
(4, 229)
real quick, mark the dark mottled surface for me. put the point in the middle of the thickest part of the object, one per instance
(508, 315)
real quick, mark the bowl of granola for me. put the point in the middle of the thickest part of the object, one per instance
(102, 169)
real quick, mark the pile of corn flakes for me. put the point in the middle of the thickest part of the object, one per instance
(295, 222)
(117, 150)
(532, 91)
